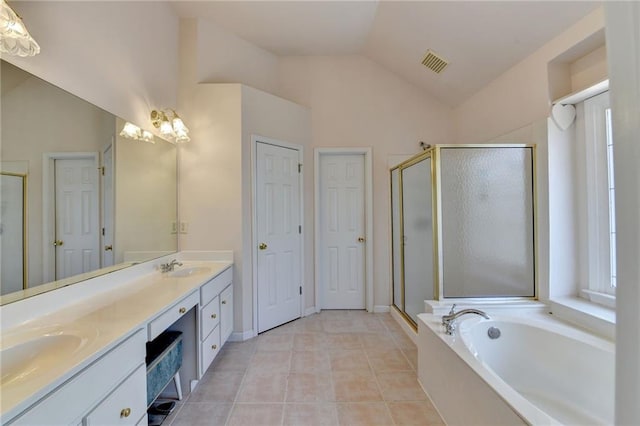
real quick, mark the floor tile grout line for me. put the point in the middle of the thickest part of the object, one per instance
(375, 376)
(244, 376)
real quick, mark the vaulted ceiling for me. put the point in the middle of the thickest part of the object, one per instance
(479, 39)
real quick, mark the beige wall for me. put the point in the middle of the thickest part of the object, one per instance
(145, 196)
(120, 56)
(356, 103)
(520, 96)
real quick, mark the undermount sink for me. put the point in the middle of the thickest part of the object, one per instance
(189, 271)
(25, 360)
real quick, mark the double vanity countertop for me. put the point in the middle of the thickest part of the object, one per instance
(50, 349)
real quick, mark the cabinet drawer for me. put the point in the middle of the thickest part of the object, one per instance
(171, 315)
(126, 405)
(88, 387)
(209, 318)
(209, 349)
(215, 286)
(226, 313)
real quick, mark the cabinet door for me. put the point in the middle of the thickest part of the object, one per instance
(209, 318)
(209, 349)
(125, 406)
(226, 313)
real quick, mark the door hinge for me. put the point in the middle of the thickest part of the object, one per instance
(299, 229)
(103, 232)
(299, 167)
(300, 289)
(101, 170)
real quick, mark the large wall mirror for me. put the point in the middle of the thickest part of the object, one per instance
(77, 199)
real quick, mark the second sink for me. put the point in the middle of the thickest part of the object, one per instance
(189, 271)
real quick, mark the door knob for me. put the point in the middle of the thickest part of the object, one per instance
(58, 243)
(107, 248)
(262, 246)
(361, 239)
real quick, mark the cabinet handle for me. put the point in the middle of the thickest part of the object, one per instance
(214, 347)
(125, 412)
(224, 302)
(213, 316)
(183, 310)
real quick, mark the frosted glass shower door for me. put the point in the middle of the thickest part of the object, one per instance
(12, 233)
(396, 239)
(487, 221)
(417, 224)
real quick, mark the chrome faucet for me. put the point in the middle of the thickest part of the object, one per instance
(168, 267)
(449, 320)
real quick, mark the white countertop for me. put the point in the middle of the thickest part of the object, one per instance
(102, 322)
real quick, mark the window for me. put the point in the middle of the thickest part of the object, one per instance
(600, 285)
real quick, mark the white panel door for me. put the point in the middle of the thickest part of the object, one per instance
(342, 230)
(77, 239)
(278, 235)
(107, 206)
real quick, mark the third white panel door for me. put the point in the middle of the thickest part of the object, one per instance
(279, 240)
(342, 230)
(77, 240)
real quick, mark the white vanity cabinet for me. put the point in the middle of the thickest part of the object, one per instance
(215, 317)
(110, 391)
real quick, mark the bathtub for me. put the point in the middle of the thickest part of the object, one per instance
(539, 371)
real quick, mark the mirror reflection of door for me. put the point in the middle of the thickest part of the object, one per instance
(12, 232)
(107, 206)
(76, 212)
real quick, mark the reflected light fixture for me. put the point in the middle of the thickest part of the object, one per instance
(170, 124)
(14, 37)
(131, 131)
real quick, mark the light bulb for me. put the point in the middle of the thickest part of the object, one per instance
(147, 136)
(179, 126)
(131, 131)
(166, 129)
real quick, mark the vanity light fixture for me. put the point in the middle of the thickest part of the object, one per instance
(14, 37)
(170, 124)
(131, 131)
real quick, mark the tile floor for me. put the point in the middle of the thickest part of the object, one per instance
(332, 368)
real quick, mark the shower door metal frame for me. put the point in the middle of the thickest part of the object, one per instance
(25, 241)
(427, 155)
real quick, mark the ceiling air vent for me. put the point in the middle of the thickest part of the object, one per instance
(434, 62)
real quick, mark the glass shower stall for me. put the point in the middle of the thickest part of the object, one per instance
(463, 225)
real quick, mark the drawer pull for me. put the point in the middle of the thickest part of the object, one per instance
(183, 310)
(214, 347)
(213, 316)
(125, 412)
(224, 302)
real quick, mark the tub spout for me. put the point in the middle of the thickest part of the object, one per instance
(449, 321)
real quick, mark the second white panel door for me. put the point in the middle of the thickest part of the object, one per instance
(342, 231)
(77, 241)
(278, 231)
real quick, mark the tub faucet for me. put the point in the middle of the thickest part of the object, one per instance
(170, 266)
(449, 320)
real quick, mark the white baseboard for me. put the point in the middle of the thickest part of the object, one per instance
(241, 336)
(310, 311)
(381, 309)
